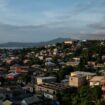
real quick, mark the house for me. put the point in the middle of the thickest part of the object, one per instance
(48, 59)
(13, 58)
(49, 63)
(102, 84)
(56, 69)
(72, 63)
(33, 100)
(68, 42)
(99, 65)
(42, 80)
(12, 76)
(96, 80)
(88, 75)
(13, 67)
(49, 90)
(7, 102)
(41, 57)
(77, 81)
(103, 57)
(3, 69)
(29, 88)
(19, 69)
(9, 61)
(26, 61)
(91, 63)
(79, 78)
(55, 51)
(76, 58)
(36, 66)
(102, 72)
(16, 94)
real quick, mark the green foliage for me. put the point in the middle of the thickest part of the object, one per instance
(65, 71)
(84, 96)
(82, 64)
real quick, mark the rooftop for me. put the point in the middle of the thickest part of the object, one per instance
(49, 77)
(83, 73)
(97, 78)
(54, 86)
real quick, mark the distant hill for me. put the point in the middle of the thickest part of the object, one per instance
(24, 44)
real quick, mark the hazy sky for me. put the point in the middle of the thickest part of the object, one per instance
(41, 20)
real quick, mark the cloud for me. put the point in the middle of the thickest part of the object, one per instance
(10, 16)
(97, 26)
(11, 33)
(96, 35)
(79, 20)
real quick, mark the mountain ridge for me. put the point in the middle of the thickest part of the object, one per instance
(33, 44)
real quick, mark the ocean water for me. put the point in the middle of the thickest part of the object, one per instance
(12, 47)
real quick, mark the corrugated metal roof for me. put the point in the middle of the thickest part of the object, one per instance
(31, 100)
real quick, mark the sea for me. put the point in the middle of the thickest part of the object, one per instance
(13, 47)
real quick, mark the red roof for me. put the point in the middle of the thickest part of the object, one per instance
(10, 77)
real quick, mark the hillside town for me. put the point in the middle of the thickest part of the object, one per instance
(68, 73)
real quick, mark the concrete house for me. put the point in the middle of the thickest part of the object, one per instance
(96, 80)
(88, 75)
(49, 90)
(42, 80)
(77, 81)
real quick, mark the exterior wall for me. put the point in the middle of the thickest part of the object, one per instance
(45, 80)
(24, 103)
(103, 88)
(72, 63)
(97, 81)
(76, 81)
(41, 57)
(73, 74)
(94, 84)
(39, 81)
(45, 90)
(49, 96)
(68, 42)
(73, 81)
(88, 76)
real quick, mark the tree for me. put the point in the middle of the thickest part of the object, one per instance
(98, 102)
(65, 71)
(85, 102)
(75, 100)
(66, 100)
(82, 64)
(96, 93)
(84, 92)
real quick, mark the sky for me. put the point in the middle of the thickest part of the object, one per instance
(42, 20)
